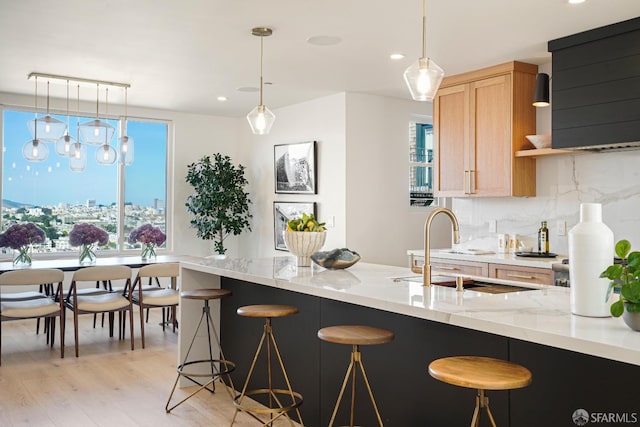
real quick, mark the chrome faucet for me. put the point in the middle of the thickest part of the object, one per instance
(426, 269)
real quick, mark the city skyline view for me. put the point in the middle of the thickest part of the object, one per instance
(51, 182)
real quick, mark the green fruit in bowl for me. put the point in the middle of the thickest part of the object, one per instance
(305, 223)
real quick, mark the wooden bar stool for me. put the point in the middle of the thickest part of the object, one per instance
(355, 335)
(481, 373)
(217, 367)
(276, 408)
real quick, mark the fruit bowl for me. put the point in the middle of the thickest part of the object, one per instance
(540, 141)
(303, 244)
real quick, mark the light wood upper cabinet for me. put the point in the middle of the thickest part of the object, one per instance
(480, 122)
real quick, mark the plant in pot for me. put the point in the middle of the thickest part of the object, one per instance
(219, 204)
(625, 279)
(304, 236)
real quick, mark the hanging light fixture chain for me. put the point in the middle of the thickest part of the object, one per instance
(48, 97)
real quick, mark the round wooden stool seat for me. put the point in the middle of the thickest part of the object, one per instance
(483, 373)
(355, 335)
(205, 294)
(267, 310)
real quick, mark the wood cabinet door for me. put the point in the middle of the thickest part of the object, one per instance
(451, 136)
(490, 154)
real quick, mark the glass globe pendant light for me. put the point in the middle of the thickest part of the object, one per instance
(77, 151)
(424, 76)
(64, 144)
(35, 150)
(261, 118)
(106, 154)
(126, 142)
(49, 128)
(96, 132)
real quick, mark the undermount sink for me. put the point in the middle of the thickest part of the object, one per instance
(468, 284)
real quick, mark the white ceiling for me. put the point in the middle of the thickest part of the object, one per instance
(181, 55)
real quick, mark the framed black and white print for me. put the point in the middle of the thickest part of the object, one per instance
(295, 167)
(282, 213)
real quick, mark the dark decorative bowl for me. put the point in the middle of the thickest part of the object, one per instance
(336, 259)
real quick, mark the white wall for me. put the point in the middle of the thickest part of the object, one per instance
(321, 120)
(381, 225)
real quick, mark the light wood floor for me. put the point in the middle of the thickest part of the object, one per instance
(108, 385)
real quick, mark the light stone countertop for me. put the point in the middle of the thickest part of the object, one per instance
(496, 258)
(541, 316)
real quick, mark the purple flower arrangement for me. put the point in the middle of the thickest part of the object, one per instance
(20, 237)
(150, 237)
(86, 236)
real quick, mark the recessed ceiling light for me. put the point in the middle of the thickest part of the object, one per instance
(576, 1)
(324, 40)
(396, 56)
(222, 98)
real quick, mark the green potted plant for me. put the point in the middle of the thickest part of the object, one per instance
(304, 236)
(625, 279)
(219, 204)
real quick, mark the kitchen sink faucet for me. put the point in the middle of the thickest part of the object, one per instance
(426, 269)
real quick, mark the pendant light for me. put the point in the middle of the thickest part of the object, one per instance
(424, 76)
(50, 129)
(106, 154)
(64, 144)
(261, 118)
(541, 94)
(78, 152)
(126, 142)
(96, 132)
(35, 150)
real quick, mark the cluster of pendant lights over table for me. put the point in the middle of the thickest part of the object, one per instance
(95, 132)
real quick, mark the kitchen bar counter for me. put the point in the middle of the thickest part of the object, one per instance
(539, 316)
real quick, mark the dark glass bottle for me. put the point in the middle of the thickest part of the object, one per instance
(543, 238)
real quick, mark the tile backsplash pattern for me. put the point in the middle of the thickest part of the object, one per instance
(563, 182)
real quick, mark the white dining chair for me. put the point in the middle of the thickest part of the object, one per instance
(106, 301)
(31, 304)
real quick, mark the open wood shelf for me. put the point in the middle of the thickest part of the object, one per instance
(543, 152)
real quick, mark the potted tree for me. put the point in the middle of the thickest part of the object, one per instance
(625, 278)
(219, 204)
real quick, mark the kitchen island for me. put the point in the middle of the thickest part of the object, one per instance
(578, 358)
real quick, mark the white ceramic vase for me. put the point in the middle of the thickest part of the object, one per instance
(303, 244)
(591, 251)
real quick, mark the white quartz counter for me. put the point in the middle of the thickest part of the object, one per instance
(510, 259)
(541, 316)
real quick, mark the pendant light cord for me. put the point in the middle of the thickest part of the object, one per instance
(424, 28)
(35, 128)
(261, 59)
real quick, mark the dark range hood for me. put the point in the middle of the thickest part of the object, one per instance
(596, 88)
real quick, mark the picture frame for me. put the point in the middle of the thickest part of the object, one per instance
(294, 168)
(282, 213)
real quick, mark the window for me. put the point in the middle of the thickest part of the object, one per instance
(49, 194)
(420, 164)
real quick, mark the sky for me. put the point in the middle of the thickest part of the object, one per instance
(50, 182)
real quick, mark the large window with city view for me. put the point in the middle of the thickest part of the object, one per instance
(117, 198)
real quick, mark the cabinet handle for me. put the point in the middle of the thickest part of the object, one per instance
(467, 182)
(522, 276)
(472, 181)
(447, 268)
